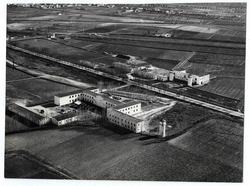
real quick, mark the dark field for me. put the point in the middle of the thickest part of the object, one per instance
(35, 90)
(13, 74)
(97, 153)
(53, 68)
(61, 51)
(231, 87)
(20, 165)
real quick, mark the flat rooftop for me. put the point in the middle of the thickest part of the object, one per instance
(65, 116)
(69, 93)
(126, 105)
(74, 92)
(111, 100)
(24, 112)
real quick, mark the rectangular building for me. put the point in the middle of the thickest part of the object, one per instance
(29, 115)
(124, 120)
(73, 96)
(68, 97)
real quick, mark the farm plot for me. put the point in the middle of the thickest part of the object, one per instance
(57, 50)
(220, 37)
(175, 55)
(183, 34)
(35, 90)
(214, 70)
(129, 50)
(218, 139)
(52, 68)
(98, 153)
(218, 59)
(229, 87)
(14, 74)
(108, 28)
(162, 63)
(22, 167)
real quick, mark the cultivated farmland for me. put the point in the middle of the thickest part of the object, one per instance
(35, 90)
(61, 51)
(231, 87)
(52, 68)
(97, 153)
(14, 74)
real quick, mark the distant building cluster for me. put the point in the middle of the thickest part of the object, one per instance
(145, 70)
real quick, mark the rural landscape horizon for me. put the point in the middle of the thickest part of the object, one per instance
(133, 92)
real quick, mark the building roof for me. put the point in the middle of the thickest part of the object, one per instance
(126, 116)
(90, 93)
(90, 88)
(69, 93)
(131, 103)
(65, 116)
(25, 112)
(106, 98)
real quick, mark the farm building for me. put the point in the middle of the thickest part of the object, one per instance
(71, 97)
(63, 119)
(124, 120)
(189, 78)
(29, 115)
(129, 108)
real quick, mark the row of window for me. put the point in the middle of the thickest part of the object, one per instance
(74, 100)
(77, 95)
(109, 104)
(87, 96)
(129, 108)
(125, 125)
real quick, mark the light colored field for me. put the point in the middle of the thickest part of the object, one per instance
(174, 55)
(198, 29)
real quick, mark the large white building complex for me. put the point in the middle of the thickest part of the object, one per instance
(119, 113)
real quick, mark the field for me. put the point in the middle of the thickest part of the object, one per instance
(21, 165)
(13, 74)
(184, 46)
(231, 87)
(34, 90)
(108, 28)
(52, 68)
(62, 51)
(207, 138)
(11, 125)
(162, 63)
(97, 153)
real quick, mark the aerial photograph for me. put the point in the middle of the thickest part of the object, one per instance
(128, 92)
